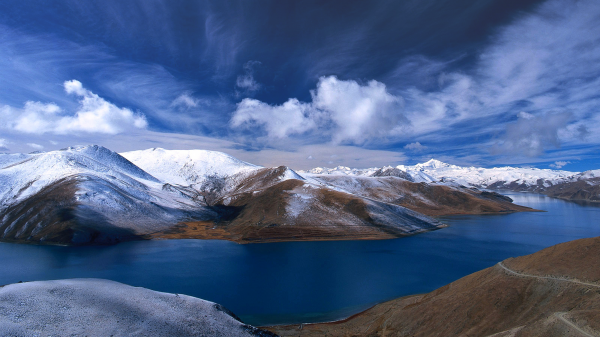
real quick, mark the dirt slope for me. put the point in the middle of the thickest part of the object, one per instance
(554, 292)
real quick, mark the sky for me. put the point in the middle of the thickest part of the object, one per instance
(308, 83)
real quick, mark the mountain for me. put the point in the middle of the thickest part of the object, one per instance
(433, 199)
(92, 195)
(187, 167)
(88, 195)
(554, 292)
(94, 307)
(583, 187)
(554, 183)
(277, 204)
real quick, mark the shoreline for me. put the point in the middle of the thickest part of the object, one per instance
(207, 230)
(339, 321)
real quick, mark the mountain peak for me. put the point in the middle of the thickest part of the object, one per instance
(434, 163)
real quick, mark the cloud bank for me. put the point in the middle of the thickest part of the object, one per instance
(344, 111)
(94, 115)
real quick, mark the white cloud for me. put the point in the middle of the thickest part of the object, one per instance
(416, 147)
(292, 117)
(3, 143)
(559, 164)
(358, 112)
(543, 63)
(246, 81)
(531, 135)
(35, 146)
(345, 110)
(94, 115)
(185, 100)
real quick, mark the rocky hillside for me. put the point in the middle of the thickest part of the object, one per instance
(554, 292)
(93, 307)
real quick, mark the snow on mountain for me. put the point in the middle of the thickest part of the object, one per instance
(7, 159)
(187, 167)
(340, 170)
(589, 174)
(498, 176)
(88, 185)
(440, 172)
(27, 177)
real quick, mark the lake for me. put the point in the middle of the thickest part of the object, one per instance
(293, 282)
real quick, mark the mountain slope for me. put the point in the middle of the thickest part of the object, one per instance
(554, 292)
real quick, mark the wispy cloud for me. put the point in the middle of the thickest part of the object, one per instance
(559, 164)
(246, 83)
(3, 144)
(545, 64)
(416, 147)
(35, 146)
(531, 135)
(185, 100)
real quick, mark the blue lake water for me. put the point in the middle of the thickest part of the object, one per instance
(296, 282)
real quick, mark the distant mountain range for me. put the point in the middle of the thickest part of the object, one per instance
(554, 183)
(92, 195)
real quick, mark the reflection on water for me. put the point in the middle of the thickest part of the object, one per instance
(312, 281)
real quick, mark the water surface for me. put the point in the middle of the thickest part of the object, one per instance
(291, 282)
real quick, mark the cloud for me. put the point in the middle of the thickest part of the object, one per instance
(291, 118)
(531, 135)
(346, 111)
(545, 63)
(246, 82)
(3, 143)
(35, 146)
(416, 147)
(186, 101)
(559, 164)
(94, 115)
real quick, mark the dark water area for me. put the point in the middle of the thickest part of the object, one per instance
(293, 282)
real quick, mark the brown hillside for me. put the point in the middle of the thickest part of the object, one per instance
(291, 210)
(547, 296)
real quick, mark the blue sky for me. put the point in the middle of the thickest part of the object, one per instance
(308, 83)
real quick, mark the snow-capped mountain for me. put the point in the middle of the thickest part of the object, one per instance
(90, 194)
(515, 178)
(188, 167)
